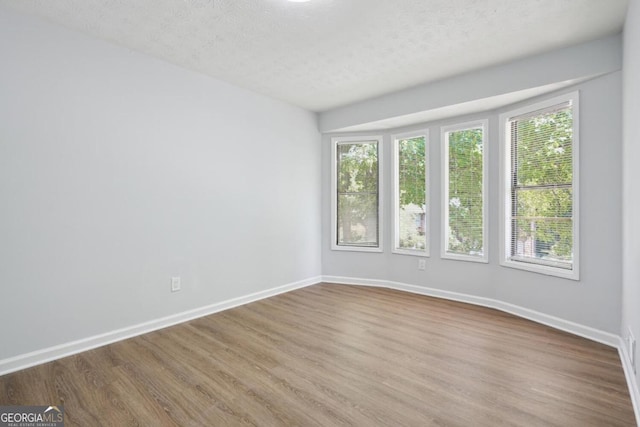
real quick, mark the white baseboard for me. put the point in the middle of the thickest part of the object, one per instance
(634, 391)
(38, 357)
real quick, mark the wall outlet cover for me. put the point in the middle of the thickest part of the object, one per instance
(175, 284)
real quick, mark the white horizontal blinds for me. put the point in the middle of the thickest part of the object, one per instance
(411, 194)
(465, 204)
(542, 187)
(357, 193)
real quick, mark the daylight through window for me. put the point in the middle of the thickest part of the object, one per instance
(411, 234)
(357, 193)
(541, 205)
(464, 189)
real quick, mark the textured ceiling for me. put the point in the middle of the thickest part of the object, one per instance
(329, 53)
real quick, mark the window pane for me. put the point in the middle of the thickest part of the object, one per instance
(358, 167)
(357, 198)
(358, 219)
(543, 226)
(544, 149)
(412, 203)
(542, 188)
(465, 185)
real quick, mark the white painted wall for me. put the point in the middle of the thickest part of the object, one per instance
(118, 171)
(594, 301)
(631, 179)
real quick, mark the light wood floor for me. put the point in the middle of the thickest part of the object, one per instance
(338, 355)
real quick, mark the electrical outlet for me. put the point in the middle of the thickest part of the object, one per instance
(631, 345)
(422, 264)
(175, 284)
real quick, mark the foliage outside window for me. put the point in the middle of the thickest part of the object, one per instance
(464, 189)
(541, 204)
(357, 198)
(411, 234)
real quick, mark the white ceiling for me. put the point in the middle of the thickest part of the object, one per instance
(329, 53)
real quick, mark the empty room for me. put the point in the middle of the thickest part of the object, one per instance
(319, 212)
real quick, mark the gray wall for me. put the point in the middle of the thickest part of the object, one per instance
(118, 171)
(593, 301)
(631, 161)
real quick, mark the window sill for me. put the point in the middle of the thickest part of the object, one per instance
(411, 252)
(470, 258)
(542, 269)
(354, 248)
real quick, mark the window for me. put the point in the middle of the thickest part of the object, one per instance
(355, 193)
(464, 207)
(540, 187)
(410, 190)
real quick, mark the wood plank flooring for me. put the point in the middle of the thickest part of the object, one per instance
(338, 355)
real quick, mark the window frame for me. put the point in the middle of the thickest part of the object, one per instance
(444, 131)
(505, 187)
(395, 214)
(335, 141)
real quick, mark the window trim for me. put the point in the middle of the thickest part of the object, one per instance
(444, 223)
(334, 191)
(505, 187)
(395, 194)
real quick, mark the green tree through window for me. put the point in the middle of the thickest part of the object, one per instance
(357, 193)
(412, 203)
(542, 187)
(465, 192)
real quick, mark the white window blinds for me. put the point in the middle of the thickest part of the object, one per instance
(357, 195)
(464, 189)
(541, 211)
(410, 194)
